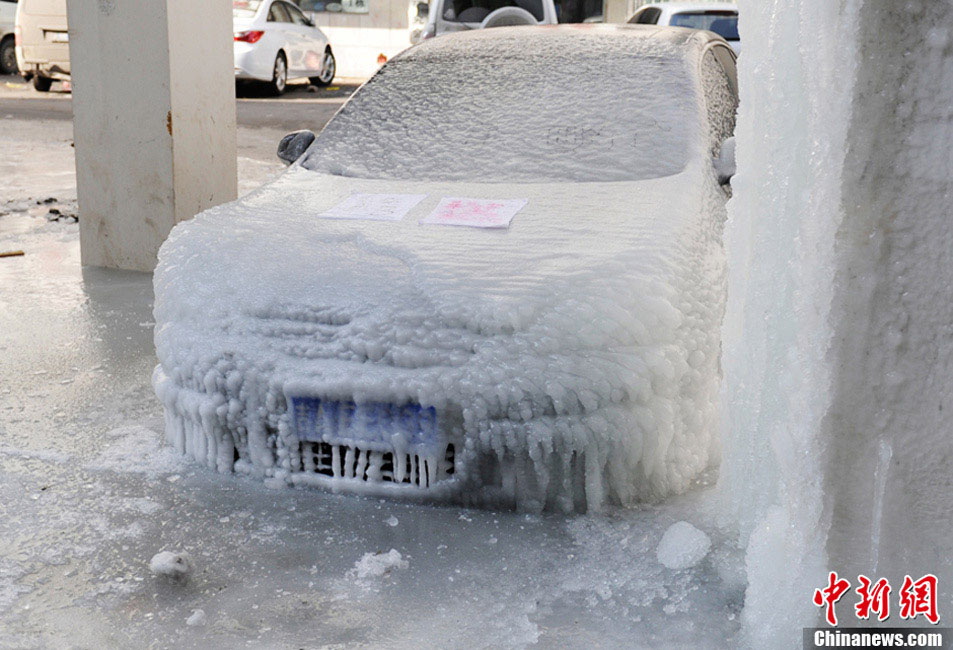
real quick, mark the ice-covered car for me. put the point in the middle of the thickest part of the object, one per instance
(332, 329)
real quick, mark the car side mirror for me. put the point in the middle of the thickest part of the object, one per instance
(725, 162)
(293, 145)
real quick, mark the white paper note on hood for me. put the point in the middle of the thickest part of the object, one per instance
(377, 207)
(478, 213)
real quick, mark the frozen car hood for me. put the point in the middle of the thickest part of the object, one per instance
(271, 254)
(580, 317)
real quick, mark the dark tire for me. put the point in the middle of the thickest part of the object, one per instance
(8, 57)
(328, 70)
(42, 83)
(279, 75)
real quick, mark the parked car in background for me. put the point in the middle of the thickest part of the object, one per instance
(718, 17)
(524, 309)
(8, 55)
(275, 43)
(42, 46)
(448, 16)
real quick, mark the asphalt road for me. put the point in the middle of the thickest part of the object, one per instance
(302, 107)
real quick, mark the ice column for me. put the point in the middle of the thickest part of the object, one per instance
(838, 340)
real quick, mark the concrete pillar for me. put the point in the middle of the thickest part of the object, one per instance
(153, 121)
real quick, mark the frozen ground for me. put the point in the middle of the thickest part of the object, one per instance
(89, 494)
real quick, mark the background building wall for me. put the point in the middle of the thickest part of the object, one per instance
(358, 39)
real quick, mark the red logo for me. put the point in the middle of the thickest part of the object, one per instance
(873, 599)
(916, 598)
(919, 598)
(836, 588)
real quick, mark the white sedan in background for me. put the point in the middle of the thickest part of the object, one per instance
(275, 42)
(718, 17)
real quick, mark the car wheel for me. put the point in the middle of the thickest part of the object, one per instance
(328, 70)
(279, 78)
(42, 83)
(8, 57)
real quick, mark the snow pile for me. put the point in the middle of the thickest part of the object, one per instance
(376, 565)
(682, 546)
(571, 359)
(176, 567)
(837, 349)
(138, 449)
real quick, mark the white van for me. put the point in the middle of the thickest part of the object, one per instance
(8, 58)
(42, 44)
(446, 16)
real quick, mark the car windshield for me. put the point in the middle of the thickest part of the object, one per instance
(245, 8)
(723, 23)
(522, 105)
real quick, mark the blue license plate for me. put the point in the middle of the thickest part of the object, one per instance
(323, 420)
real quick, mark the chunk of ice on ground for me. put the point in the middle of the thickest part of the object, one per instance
(175, 566)
(375, 565)
(391, 521)
(682, 546)
(197, 619)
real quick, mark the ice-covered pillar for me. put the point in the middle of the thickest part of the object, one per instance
(153, 121)
(838, 339)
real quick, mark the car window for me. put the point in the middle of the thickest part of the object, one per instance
(296, 16)
(278, 14)
(580, 107)
(578, 11)
(721, 101)
(723, 23)
(726, 57)
(647, 16)
(474, 11)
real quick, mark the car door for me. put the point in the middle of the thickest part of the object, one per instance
(280, 25)
(312, 42)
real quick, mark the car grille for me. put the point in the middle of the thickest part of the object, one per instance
(372, 466)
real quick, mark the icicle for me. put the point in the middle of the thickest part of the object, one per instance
(336, 461)
(885, 453)
(349, 463)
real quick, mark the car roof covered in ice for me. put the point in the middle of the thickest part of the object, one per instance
(579, 103)
(525, 39)
(673, 7)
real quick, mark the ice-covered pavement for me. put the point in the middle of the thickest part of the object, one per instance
(89, 494)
